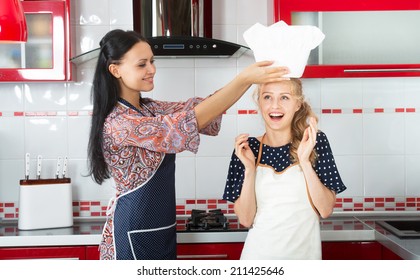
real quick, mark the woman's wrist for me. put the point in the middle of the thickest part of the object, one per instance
(305, 164)
(250, 171)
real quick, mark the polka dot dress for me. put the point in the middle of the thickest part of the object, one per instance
(279, 159)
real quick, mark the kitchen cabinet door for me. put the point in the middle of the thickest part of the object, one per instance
(92, 253)
(209, 251)
(351, 251)
(363, 38)
(45, 56)
(64, 252)
(389, 255)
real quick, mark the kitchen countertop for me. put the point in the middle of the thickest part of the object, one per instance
(339, 227)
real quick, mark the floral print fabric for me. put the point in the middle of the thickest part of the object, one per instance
(134, 143)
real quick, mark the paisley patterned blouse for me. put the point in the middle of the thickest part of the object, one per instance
(134, 143)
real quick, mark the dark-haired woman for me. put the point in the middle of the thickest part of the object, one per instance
(133, 140)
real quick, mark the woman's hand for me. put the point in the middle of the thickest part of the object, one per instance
(244, 152)
(246, 205)
(308, 141)
(260, 73)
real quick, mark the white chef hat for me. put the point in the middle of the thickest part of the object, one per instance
(286, 45)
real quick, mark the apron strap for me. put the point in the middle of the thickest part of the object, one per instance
(260, 149)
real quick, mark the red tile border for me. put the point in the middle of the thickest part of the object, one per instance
(8, 210)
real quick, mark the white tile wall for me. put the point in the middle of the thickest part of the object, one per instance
(377, 153)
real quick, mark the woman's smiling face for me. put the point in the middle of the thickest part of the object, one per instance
(136, 69)
(278, 105)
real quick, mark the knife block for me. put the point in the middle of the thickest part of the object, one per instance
(45, 203)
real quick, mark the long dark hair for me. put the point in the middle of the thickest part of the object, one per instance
(105, 92)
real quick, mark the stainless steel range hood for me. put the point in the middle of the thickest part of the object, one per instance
(181, 28)
(183, 46)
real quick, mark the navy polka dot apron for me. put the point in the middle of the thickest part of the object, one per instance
(145, 218)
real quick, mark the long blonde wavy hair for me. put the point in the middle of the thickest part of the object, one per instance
(299, 122)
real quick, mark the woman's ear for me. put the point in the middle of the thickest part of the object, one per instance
(113, 69)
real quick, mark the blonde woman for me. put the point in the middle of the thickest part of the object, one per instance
(285, 180)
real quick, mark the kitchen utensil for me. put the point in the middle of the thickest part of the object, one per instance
(45, 203)
(27, 164)
(65, 167)
(38, 167)
(57, 172)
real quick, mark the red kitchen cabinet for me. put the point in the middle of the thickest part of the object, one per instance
(363, 38)
(92, 253)
(389, 255)
(209, 251)
(359, 250)
(62, 252)
(45, 56)
(351, 251)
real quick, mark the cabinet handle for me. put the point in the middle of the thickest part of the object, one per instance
(382, 70)
(220, 256)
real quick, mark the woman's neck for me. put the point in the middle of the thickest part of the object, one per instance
(277, 138)
(132, 99)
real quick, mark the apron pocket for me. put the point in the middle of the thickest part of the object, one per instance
(154, 244)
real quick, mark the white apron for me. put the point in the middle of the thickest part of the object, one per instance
(286, 226)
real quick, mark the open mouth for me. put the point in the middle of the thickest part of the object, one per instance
(276, 116)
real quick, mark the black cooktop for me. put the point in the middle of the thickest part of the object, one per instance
(213, 220)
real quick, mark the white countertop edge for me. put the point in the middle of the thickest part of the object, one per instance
(348, 235)
(374, 213)
(213, 237)
(49, 240)
(182, 237)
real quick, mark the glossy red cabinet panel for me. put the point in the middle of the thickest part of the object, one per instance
(62, 252)
(351, 251)
(364, 38)
(205, 251)
(357, 250)
(45, 56)
(92, 252)
(209, 251)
